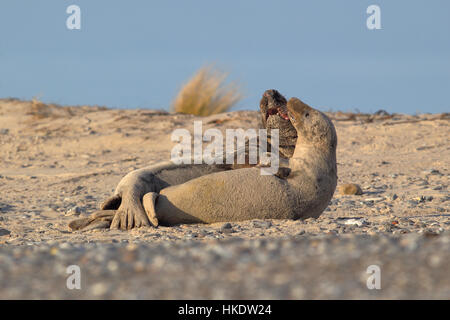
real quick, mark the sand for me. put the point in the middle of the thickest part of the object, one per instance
(59, 163)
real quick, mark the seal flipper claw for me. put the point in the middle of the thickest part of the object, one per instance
(148, 202)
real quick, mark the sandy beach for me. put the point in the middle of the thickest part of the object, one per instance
(59, 163)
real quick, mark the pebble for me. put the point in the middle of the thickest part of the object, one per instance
(75, 211)
(226, 225)
(350, 189)
(358, 222)
(4, 232)
(262, 224)
(226, 228)
(431, 171)
(376, 199)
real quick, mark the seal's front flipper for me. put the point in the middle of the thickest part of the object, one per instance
(101, 218)
(149, 201)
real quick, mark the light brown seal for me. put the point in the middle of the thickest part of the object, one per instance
(245, 194)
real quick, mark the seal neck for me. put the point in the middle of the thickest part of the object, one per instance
(319, 156)
(304, 150)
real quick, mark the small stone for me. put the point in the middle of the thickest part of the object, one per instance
(356, 222)
(368, 203)
(75, 211)
(431, 171)
(394, 197)
(350, 189)
(4, 232)
(262, 224)
(226, 226)
(394, 222)
(375, 199)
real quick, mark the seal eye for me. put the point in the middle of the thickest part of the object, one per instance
(307, 115)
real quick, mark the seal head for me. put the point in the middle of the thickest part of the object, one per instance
(274, 115)
(313, 127)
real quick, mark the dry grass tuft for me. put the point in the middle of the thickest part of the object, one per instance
(206, 93)
(40, 110)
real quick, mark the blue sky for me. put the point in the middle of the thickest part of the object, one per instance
(137, 54)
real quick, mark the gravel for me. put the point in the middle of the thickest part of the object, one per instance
(413, 266)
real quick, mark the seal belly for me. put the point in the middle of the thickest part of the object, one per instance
(236, 195)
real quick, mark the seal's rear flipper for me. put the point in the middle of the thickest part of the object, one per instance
(98, 220)
(149, 201)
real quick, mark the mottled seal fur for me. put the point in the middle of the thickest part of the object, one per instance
(274, 116)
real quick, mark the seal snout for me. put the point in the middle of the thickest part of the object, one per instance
(297, 110)
(296, 106)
